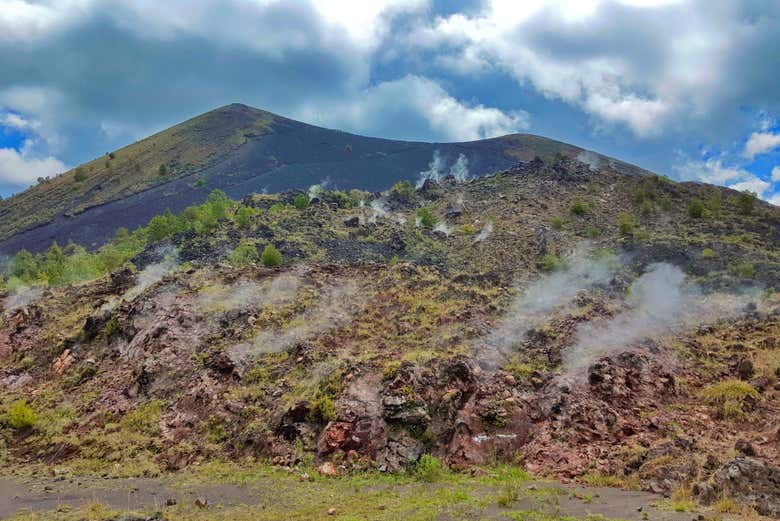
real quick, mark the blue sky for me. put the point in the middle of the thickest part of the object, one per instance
(687, 88)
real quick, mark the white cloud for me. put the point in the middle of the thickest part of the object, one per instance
(24, 20)
(760, 143)
(713, 171)
(19, 169)
(776, 174)
(775, 199)
(754, 184)
(376, 109)
(19, 122)
(644, 64)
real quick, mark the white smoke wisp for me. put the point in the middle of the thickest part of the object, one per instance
(660, 302)
(460, 169)
(378, 210)
(248, 294)
(315, 191)
(335, 307)
(485, 232)
(150, 275)
(434, 172)
(442, 227)
(533, 304)
(22, 297)
(589, 158)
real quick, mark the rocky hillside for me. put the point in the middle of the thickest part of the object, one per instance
(585, 323)
(239, 150)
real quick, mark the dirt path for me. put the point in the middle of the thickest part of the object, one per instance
(153, 495)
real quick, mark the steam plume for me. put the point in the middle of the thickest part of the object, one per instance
(661, 302)
(533, 304)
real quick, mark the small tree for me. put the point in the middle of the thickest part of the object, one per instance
(79, 176)
(746, 202)
(244, 254)
(402, 189)
(301, 201)
(626, 223)
(21, 416)
(696, 208)
(244, 216)
(426, 218)
(271, 257)
(163, 170)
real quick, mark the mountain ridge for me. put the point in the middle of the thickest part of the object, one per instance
(240, 150)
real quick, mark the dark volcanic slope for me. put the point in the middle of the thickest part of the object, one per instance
(239, 150)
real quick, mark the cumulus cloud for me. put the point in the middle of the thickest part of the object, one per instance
(714, 171)
(640, 64)
(660, 68)
(19, 169)
(776, 174)
(425, 108)
(760, 143)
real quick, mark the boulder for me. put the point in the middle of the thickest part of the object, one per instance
(748, 481)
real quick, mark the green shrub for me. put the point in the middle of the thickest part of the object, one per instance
(579, 208)
(507, 496)
(645, 191)
(592, 232)
(244, 215)
(144, 419)
(80, 175)
(21, 416)
(277, 208)
(746, 202)
(666, 204)
(557, 223)
(111, 328)
(552, 262)
(426, 218)
(301, 201)
(646, 208)
(162, 227)
(271, 257)
(162, 171)
(322, 410)
(730, 396)
(402, 189)
(745, 270)
(468, 229)
(244, 254)
(626, 223)
(696, 208)
(428, 469)
(343, 199)
(708, 253)
(200, 182)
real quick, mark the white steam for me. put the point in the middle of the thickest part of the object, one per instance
(442, 227)
(589, 158)
(335, 307)
(248, 294)
(378, 210)
(460, 170)
(437, 169)
(22, 297)
(434, 172)
(533, 305)
(149, 276)
(315, 191)
(660, 302)
(485, 232)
